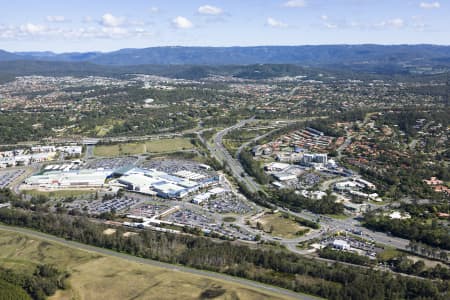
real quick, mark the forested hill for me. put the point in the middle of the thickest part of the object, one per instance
(304, 55)
(11, 69)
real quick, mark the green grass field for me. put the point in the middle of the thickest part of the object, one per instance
(119, 149)
(281, 227)
(101, 277)
(229, 219)
(169, 145)
(156, 146)
(59, 193)
(388, 253)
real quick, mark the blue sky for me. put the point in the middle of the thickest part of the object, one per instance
(105, 25)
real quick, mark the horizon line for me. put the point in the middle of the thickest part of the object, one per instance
(231, 46)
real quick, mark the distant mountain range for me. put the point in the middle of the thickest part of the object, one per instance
(326, 55)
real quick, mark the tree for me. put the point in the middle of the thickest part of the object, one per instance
(443, 255)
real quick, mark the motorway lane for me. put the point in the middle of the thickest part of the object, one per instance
(222, 155)
(155, 263)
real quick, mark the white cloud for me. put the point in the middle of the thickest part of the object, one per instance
(330, 25)
(32, 29)
(295, 3)
(182, 23)
(393, 23)
(397, 23)
(154, 9)
(275, 23)
(430, 5)
(210, 10)
(56, 19)
(109, 20)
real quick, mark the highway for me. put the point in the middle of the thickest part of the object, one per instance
(328, 224)
(222, 155)
(177, 268)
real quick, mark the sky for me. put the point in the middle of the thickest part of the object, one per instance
(107, 25)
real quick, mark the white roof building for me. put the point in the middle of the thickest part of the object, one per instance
(79, 178)
(277, 166)
(341, 245)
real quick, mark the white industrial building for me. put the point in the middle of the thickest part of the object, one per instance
(72, 150)
(24, 159)
(189, 175)
(164, 185)
(284, 176)
(366, 183)
(65, 179)
(341, 245)
(43, 149)
(277, 167)
(199, 199)
(347, 185)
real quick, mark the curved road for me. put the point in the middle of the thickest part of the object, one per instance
(178, 268)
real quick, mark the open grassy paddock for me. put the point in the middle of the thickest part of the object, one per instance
(60, 193)
(169, 145)
(281, 226)
(155, 146)
(100, 277)
(119, 149)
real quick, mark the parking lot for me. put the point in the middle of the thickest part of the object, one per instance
(189, 217)
(196, 219)
(227, 203)
(172, 166)
(96, 207)
(149, 210)
(110, 163)
(360, 245)
(308, 180)
(7, 177)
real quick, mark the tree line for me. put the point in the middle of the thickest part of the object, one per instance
(272, 266)
(44, 281)
(412, 229)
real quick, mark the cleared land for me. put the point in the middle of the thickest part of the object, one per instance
(59, 193)
(119, 149)
(95, 276)
(156, 146)
(169, 145)
(280, 226)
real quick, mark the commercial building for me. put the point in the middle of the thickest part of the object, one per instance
(277, 167)
(310, 159)
(20, 159)
(284, 176)
(70, 179)
(71, 150)
(366, 183)
(341, 245)
(162, 184)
